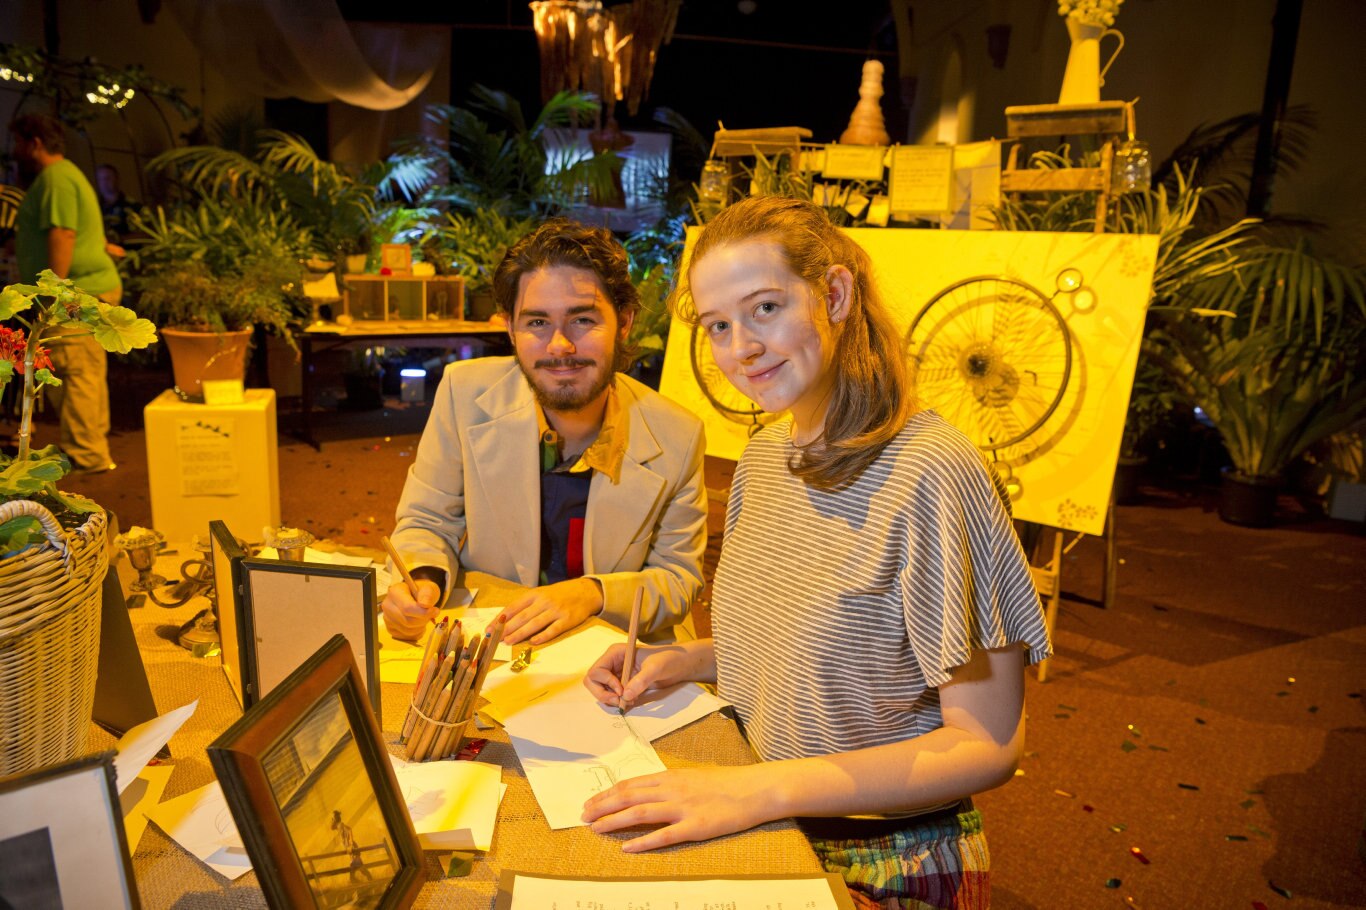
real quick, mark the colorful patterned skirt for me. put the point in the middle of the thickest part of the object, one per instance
(938, 863)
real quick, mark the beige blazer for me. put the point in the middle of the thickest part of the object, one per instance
(473, 494)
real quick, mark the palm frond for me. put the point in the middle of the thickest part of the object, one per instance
(208, 170)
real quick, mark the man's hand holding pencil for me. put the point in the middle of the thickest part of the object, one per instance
(410, 604)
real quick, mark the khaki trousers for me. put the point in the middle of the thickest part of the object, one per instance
(82, 400)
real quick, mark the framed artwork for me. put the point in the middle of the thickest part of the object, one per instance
(293, 608)
(62, 838)
(309, 783)
(396, 257)
(226, 555)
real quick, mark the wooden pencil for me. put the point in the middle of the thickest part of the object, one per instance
(423, 743)
(493, 638)
(428, 703)
(464, 676)
(628, 663)
(399, 564)
(424, 681)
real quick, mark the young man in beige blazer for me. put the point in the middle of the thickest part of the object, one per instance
(550, 468)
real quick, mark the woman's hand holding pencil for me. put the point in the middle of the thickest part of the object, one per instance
(625, 672)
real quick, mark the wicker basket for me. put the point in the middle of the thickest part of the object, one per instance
(49, 640)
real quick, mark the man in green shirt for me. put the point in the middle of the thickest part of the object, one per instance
(59, 227)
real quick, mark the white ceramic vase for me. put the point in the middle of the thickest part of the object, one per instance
(1084, 76)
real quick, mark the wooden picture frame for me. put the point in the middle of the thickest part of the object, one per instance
(292, 608)
(397, 258)
(63, 840)
(309, 783)
(234, 629)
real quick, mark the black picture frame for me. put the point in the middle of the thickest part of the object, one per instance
(312, 790)
(63, 840)
(290, 609)
(234, 628)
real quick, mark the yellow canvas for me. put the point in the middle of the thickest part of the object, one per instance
(1025, 341)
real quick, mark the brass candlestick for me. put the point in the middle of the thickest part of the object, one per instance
(140, 545)
(289, 543)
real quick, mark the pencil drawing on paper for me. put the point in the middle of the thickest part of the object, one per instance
(601, 776)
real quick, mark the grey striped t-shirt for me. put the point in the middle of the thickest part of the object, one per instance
(837, 614)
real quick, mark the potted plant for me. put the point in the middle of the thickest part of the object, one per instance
(1284, 370)
(211, 273)
(53, 552)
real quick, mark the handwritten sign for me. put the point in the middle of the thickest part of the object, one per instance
(921, 178)
(854, 162)
(208, 458)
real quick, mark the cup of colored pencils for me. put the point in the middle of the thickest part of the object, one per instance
(447, 689)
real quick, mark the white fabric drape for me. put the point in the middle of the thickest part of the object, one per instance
(305, 49)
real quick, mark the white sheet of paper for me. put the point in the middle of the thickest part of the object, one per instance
(331, 558)
(529, 892)
(201, 822)
(571, 747)
(136, 801)
(401, 661)
(137, 747)
(453, 804)
(209, 457)
(561, 666)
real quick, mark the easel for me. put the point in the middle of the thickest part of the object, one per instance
(1109, 121)
(1048, 577)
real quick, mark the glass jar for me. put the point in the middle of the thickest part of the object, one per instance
(1133, 167)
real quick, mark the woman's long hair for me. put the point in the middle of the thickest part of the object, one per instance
(871, 399)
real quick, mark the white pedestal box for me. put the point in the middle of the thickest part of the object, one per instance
(207, 462)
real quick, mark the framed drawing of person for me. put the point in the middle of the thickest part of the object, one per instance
(309, 783)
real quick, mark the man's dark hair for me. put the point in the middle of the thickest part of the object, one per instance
(42, 127)
(564, 242)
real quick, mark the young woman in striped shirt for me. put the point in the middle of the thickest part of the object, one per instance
(872, 609)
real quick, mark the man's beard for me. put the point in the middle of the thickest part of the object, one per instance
(558, 397)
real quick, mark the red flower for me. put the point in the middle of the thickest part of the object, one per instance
(12, 344)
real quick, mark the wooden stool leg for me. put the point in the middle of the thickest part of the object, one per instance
(1051, 575)
(1111, 572)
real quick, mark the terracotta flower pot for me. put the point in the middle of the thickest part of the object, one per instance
(196, 356)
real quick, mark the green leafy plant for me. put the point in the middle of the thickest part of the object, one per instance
(285, 178)
(52, 304)
(472, 245)
(653, 254)
(223, 264)
(1286, 368)
(495, 159)
(187, 295)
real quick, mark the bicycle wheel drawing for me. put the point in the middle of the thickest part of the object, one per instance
(723, 397)
(993, 356)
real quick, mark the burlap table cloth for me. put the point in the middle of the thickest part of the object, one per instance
(169, 877)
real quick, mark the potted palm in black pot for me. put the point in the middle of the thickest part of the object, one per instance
(1283, 368)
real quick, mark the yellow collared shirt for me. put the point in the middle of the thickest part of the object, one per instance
(606, 452)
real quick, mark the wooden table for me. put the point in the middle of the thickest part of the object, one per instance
(168, 876)
(432, 333)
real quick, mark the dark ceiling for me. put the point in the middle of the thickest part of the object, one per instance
(781, 64)
(859, 24)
